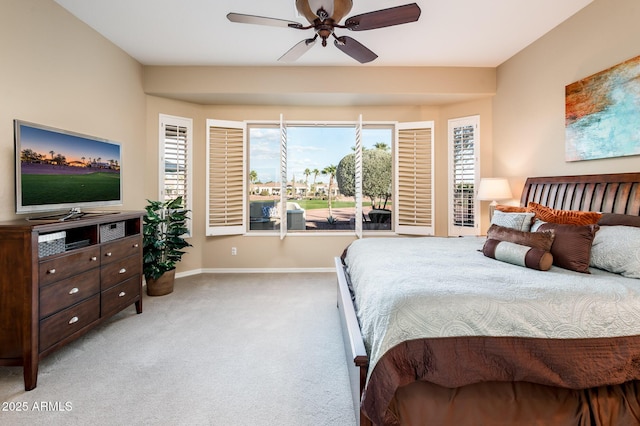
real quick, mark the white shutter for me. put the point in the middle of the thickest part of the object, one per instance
(226, 189)
(463, 171)
(414, 194)
(358, 179)
(283, 178)
(175, 167)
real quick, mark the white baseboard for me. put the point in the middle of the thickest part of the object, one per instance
(252, 271)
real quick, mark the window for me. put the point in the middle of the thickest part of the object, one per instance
(176, 159)
(463, 170)
(307, 177)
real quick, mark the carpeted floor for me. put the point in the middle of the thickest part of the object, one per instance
(223, 349)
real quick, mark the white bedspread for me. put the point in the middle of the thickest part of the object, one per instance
(409, 288)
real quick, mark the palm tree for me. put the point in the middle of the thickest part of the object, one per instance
(331, 171)
(381, 145)
(253, 178)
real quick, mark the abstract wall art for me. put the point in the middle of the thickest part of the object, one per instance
(602, 114)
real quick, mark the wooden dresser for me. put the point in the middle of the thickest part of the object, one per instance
(58, 280)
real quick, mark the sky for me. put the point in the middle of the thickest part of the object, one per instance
(308, 147)
(72, 147)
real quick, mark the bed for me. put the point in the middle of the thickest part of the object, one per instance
(491, 342)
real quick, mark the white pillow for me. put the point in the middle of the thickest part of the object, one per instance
(519, 221)
(617, 249)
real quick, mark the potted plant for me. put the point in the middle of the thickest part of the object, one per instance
(164, 227)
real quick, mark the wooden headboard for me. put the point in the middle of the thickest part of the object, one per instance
(607, 193)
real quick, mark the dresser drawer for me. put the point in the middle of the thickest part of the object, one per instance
(62, 267)
(119, 249)
(67, 322)
(120, 270)
(67, 292)
(120, 296)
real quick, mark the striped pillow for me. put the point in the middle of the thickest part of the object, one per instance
(571, 248)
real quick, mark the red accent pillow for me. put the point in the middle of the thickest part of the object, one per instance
(512, 209)
(569, 217)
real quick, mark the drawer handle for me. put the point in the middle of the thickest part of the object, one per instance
(122, 294)
(51, 271)
(93, 258)
(74, 290)
(136, 245)
(73, 320)
(122, 271)
(108, 254)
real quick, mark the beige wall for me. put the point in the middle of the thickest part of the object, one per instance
(58, 72)
(528, 109)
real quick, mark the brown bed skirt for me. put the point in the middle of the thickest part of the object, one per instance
(589, 378)
(515, 403)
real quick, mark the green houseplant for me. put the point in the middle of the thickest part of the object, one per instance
(163, 241)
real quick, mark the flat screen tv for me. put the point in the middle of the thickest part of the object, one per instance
(62, 171)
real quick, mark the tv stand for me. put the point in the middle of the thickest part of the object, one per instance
(60, 279)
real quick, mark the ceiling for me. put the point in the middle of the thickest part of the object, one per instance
(474, 33)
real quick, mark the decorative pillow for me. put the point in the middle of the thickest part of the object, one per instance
(519, 221)
(571, 247)
(269, 211)
(539, 240)
(617, 249)
(518, 254)
(537, 223)
(613, 219)
(511, 209)
(570, 217)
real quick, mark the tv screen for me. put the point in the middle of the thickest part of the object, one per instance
(60, 170)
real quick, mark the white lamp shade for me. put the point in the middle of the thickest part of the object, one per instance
(494, 189)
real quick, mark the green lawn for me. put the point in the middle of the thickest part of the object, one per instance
(48, 189)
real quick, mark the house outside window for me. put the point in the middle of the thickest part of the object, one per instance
(319, 189)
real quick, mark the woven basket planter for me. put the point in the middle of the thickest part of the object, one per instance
(163, 285)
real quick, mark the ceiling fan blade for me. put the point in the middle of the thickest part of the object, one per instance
(384, 18)
(261, 20)
(298, 50)
(354, 49)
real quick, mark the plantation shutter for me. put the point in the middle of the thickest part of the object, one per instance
(283, 179)
(225, 177)
(175, 168)
(414, 195)
(358, 179)
(463, 211)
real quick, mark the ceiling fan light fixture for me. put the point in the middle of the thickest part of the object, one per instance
(335, 9)
(318, 5)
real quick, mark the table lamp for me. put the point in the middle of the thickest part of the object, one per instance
(493, 189)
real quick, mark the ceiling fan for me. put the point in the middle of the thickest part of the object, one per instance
(324, 15)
